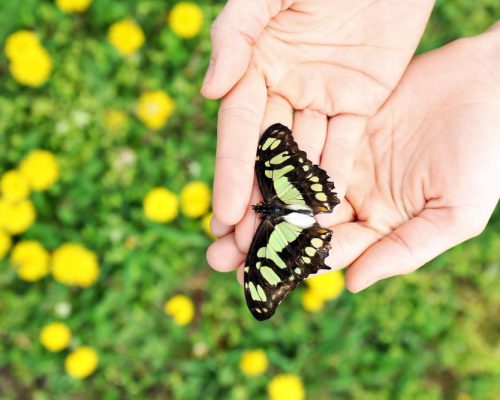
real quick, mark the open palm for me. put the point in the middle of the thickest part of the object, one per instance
(332, 62)
(426, 175)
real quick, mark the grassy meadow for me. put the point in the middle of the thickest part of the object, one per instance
(157, 322)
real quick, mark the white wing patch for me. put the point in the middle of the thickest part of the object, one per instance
(299, 219)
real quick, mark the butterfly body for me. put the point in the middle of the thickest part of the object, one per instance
(275, 210)
(289, 244)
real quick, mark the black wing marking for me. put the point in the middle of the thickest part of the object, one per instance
(278, 156)
(266, 281)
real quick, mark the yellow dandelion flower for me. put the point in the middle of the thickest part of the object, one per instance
(20, 43)
(81, 362)
(32, 68)
(180, 308)
(312, 302)
(205, 224)
(30, 260)
(126, 36)
(73, 6)
(154, 108)
(286, 387)
(55, 336)
(16, 218)
(161, 205)
(74, 265)
(14, 186)
(115, 119)
(41, 169)
(253, 362)
(327, 286)
(185, 19)
(195, 199)
(5, 243)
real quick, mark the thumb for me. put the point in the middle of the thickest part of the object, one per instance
(412, 245)
(233, 33)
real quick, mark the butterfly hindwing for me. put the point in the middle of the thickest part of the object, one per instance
(284, 172)
(280, 257)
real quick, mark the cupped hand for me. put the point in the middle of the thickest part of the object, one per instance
(332, 62)
(427, 173)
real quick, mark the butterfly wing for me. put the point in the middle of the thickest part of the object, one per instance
(284, 173)
(281, 256)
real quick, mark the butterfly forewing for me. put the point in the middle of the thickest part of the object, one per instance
(284, 172)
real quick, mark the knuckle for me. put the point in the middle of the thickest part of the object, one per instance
(412, 262)
(243, 114)
(401, 242)
(234, 160)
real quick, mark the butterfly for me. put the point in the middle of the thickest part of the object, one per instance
(289, 244)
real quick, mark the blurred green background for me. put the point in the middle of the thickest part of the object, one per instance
(431, 335)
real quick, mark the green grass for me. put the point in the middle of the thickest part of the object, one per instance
(431, 335)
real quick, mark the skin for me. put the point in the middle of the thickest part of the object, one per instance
(426, 174)
(309, 64)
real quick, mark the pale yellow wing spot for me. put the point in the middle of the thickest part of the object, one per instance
(317, 242)
(267, 143)
(310, 251)
(275, 144)
(321, 196)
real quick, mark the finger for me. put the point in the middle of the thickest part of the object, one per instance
(341, 214)
(223, 255)
(344, 134)
(277, 110)
(240, 118)
(219, 229)
(233, 33)
(348, 242)
(309, 131)
(240, 274)
(407, 248)
(245, 229)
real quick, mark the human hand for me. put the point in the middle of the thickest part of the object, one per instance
(333, 62)
(427, 173)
